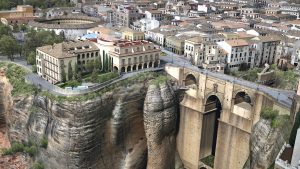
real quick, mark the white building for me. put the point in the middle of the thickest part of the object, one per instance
(237, 53)
(204, 8)
(145, 25)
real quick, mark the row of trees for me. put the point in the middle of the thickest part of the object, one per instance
(33, 39)
(9, 46)
(92, 66)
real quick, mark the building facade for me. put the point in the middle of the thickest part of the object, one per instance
(53, 60)
(130, 56)
(21, 15)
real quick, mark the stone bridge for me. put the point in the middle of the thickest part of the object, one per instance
(217, 114)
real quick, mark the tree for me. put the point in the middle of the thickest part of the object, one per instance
(5, 30)
(31, 58)
(16, 28)
(109, 64)
(294, 130)
(98, 64)
(34, 39)
(104, 63)
(63, 73)
(94, 76)
(79, 76)
(9, 46)
(23, 27)
(70, 71)
(90, 66)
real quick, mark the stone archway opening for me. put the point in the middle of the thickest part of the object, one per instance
(116, 69)
(123, 69)
(241, 97)
(243, 105)
(190, 80)
(145, 66)
(212, 112)
(129, 69)
(150, 64)
(134, 68)
(139, 67)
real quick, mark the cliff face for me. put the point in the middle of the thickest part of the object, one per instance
(265, 144)
(160, 114)
(103, 133)
(106, 132)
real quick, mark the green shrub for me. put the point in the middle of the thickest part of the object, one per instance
(28, 148)
(17, 147)
(16, 76)
(34, 68)
(269, 114)
(32, 150)
(7, 152)
(44, 142)
(38, 165)
(273, 116)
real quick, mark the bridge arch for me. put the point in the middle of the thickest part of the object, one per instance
(190, 79)
(243, 96)
(210, 123)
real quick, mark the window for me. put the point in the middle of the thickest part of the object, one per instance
(87, 55)
(92, 54)
(83, 56)
(126, 50)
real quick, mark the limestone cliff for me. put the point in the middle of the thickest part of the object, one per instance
(265, 143)
(160, 113)
(106, 132)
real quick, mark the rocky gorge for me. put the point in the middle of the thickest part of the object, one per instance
(130, 127)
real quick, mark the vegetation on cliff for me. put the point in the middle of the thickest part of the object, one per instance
(29, 148)
(141, 78)
(16, 76)
(273, 116)
(159, 80)
(283, 79)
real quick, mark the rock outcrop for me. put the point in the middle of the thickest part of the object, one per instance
(265, 144)
(160, 114)
(106, 132)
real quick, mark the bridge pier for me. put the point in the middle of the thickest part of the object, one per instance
(197, 138)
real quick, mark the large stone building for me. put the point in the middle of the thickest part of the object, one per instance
(126, 15)
(134, 55)
(264, 49)
(237, 53)
(21, 15)
(52, 60)
(203, 49)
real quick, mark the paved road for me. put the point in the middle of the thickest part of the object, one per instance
(18, 61)
(46, 86)
(284, 97)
